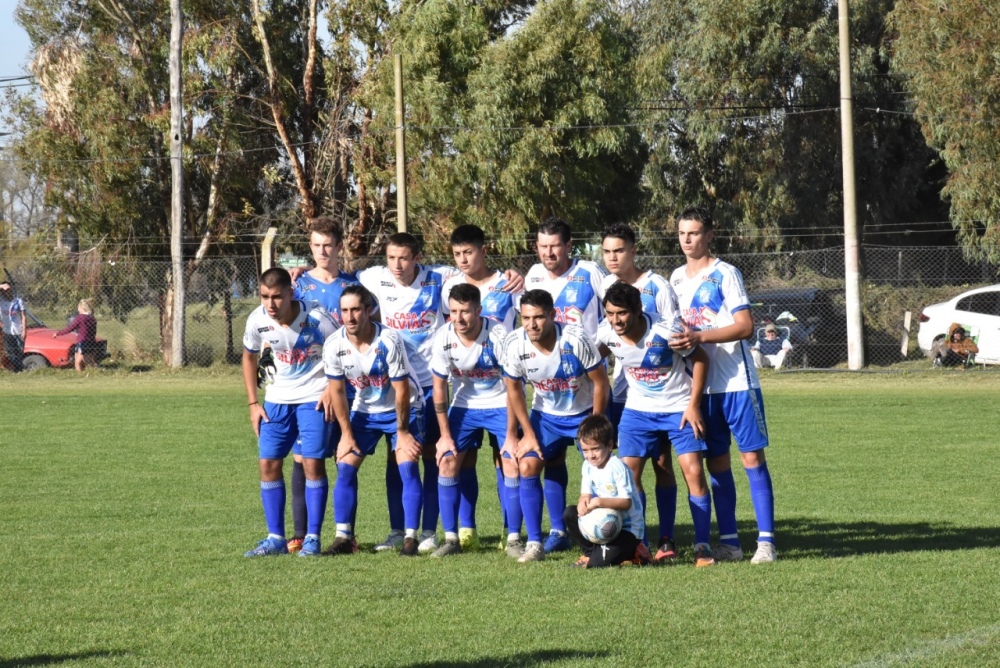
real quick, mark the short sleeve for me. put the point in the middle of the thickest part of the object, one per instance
(586, 350)
(331, 360)
(734, 294)
(623, 481)
(512, 366)
(369, 278)
(440, 358)
(251, 337)
(395, 355)
(666, 302)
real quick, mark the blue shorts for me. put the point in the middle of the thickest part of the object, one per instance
(640, 434)
(290, 426)
(734, 414)
(331, 443)
(555, 432)
(369, 428)
(467, 426)
(432, 432)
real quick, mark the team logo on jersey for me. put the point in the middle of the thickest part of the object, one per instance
(307, 288)
(570, 294)
(577, 279)
(537, 279)
(526, 356)
(343, 353)
(261, 330)
(386, 284)
(391, 298)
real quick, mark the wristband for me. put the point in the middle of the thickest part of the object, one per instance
(253, 403)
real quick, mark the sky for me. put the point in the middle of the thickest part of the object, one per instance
(14, 42)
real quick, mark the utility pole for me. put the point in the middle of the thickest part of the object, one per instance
(397, 66)
(177, 186)
(852, 263)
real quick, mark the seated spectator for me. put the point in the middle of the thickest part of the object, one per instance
(85, 326)
(771, 350)
(959, 350)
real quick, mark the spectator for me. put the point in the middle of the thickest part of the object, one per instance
(13, 321)
(771, 350)
(85, 326)
(960, 350)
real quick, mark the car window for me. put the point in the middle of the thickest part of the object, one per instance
(987, 303)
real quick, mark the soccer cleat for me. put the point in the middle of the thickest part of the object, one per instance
(581, 562)
(448, 548)
(766, 553)
(533, 552)
(703, 556)
(557, 542)
(428, 542)
(268, 547)
(514, 549)
(391, 542)
(341, 545)
(309, 547)
(294, 545)
(667, 551)
(409, 548)
(724, 552)
(469, 540)
(642, 557)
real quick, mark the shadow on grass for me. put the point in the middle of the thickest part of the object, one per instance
(52, 659)
(539, 658)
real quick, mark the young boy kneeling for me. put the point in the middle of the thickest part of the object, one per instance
(606, 483)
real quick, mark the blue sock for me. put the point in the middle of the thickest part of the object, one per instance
(345, 496)
(512, 504)
(762, 496)
(724, 498)
(642, 500)
(448, 496)
(556, 480)
(531, 506)
(500, 497)
(468, 485)
(394, 496)
(316, 493)
(701, 514)
(412, 494)
(666, 507)
(272, 497)
(430, 495)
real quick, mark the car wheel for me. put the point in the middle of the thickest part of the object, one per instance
(34, 361)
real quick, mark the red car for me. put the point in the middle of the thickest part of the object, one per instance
(42, 350)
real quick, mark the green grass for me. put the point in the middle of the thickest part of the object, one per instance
(129, 498)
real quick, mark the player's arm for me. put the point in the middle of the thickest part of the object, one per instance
(518, 404)
(741, 329)
(699, 372)
(405, 442)
(609, 502)
(446, 444)
(515, 281)
(602, 388)
(583, 504)
(249, 368)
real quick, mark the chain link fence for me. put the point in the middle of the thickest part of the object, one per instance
(801, 291)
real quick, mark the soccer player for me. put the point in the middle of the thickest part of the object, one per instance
(618, 252)
(714, 305)
(562, 364)
(288, 417)
(663, 406)
(409, 299)
(469, 349)
(605, 482)
(372, 358)
(320, 286)
(468, 245)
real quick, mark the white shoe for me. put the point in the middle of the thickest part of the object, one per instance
(515, 548)
(766, 554)
(391, 542)
(535, 551)
(428, 542)
(724, 552)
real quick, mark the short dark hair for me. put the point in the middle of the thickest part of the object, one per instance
(465, 293)
(276, 277)
(619, 231)
(361, 292)
(327, 226)
(539, 299)
(598, 429)
(624, 296)
(472, 235)
(553, 225)
(698, 214)
(405, 240)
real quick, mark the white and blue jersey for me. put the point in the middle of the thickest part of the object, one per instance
(297, 351)
(371, 372)
(562, 386)
(477, 370)
(615, 481)
(708, 301)
(497, 305)
(413, 310)
(315, 292)
(575, 294)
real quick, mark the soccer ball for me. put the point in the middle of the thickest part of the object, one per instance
(601, 525)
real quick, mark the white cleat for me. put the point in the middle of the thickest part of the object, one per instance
(766, 553)
(428, 542)
(391, 542)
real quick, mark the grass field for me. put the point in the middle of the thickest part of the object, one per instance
(128, 499)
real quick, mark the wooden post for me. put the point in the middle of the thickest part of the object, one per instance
(904, 347)
(397, 65)
(266, 254)
(176, 184)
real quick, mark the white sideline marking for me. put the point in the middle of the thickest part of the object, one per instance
(932, 648)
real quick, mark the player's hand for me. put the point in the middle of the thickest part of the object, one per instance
(408, 446)
(692, 416)
(295, 272)
(527, 445)
(593, 503)
(445, 448)
(346, 446)
(510, 445)
(582, 507)
(257, 413)
(325, 404)
(689, 338)
(515, 281)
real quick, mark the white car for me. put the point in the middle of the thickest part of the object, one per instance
(978, 311)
